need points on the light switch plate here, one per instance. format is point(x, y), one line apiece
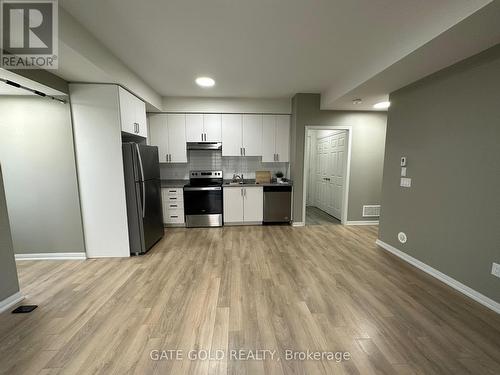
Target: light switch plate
point(405, 182)
point(403, 171)
point(495, 269)
point(403, 161)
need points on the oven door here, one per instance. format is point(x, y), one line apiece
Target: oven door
point(200, 200)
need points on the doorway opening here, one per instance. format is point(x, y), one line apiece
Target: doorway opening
point(326, 175)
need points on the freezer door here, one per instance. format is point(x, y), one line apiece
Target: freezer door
point(152, 212)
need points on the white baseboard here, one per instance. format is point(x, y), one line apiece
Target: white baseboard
point(51, 256)
point(457, 285)
point(362, 222)
point(298, 224)
point(8, 302)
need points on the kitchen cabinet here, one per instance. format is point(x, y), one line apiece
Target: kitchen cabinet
point(168, 133)
point(243, 204)
point(252, 135)
point(276, 138)
point(173, 206)
point(132, 113)
point(241, 135)
point(231, 135)
point(203, 127)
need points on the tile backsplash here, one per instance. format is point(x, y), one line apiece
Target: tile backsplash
point(213, 160)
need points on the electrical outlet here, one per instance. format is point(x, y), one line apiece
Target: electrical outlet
point(495, 269)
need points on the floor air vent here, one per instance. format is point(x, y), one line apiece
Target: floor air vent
point(371, 210)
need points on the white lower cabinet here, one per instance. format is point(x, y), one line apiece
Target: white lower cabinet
point(173, 205)
point(243, 204)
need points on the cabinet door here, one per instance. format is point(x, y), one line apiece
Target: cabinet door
point(283, 138)
point(127, 110)
point(252, 135)
point(253, 207)
point(212, 124)
point(177, 138)
point(233, 204)
point(268, 138)
point(194, 127)
point(231, 135)
point(140, 116)
point(159, 135)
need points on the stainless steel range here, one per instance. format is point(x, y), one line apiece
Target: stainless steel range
point(203, 199)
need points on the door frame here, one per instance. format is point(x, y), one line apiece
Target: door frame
point(345, 193)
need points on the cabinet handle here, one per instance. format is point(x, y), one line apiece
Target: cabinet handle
point(202, 137)
point(166, 157)
point(277, 157)
point(170, 158)
point(244, 151)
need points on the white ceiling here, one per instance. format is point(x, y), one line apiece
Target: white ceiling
point(263, 48)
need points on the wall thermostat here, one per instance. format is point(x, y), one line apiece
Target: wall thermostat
point(403, 161)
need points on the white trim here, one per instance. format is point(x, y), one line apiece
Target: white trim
point(362, 222)
point(8, 302)
point(469, 292)
point(298, 224)
point(51, 256)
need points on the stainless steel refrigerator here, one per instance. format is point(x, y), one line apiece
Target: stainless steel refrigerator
point(143, 194)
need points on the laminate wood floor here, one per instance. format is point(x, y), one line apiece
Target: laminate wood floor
point(318, 288)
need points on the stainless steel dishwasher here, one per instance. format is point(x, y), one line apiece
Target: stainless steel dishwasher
point(277, 204)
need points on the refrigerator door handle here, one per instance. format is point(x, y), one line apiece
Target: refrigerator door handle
point(143, 184)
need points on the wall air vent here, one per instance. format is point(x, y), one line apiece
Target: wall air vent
point(371, 210)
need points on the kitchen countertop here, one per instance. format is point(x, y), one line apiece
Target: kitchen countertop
point(251, 182)
point(246, 182)
point(173, 183)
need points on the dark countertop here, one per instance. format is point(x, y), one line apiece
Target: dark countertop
point(173, 183)
point(251, 182)
point(246, 182)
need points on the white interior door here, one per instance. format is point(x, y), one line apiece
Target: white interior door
point(335, 175)
point(321, 155)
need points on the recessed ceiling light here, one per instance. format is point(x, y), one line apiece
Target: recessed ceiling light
point(205, 81)
point(357, 101)
point(382, 105)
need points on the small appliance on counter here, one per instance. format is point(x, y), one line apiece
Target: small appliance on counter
point(143, 196)
point(203, 199)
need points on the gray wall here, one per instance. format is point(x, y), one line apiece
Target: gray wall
point(8, 272)
point(448, 125)
point(36, 152)
point(367, 154)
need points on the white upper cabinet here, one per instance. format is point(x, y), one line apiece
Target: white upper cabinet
point(212, 126)
point(132, 113)
point(203, 127)
point(276, 138)
point(194, 127)
point(231, 135)
point(252, 135)
point(241, 135)
point(177, 138)
point(168, 133)
point(283, 138)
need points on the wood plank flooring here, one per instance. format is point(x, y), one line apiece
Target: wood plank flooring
point(317, 288)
